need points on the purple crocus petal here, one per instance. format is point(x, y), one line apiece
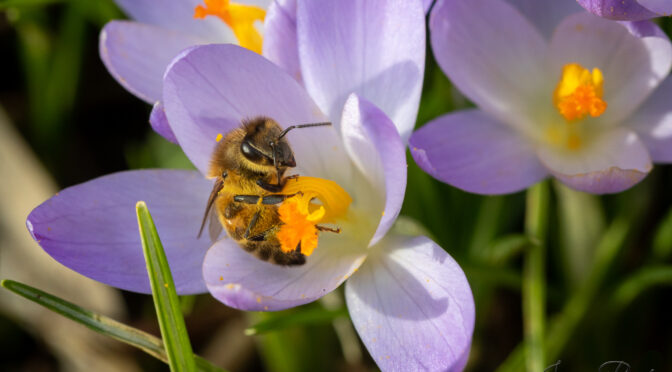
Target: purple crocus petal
point(159, 122)
point(653, 123)
point(470, 150)
point(243, 281)
point(92, 227)
point(412, 307)
point(374, 145)
point(209, 89)
point(280, 37)
point(622, 10)
point(178, 15)
point(494, 56)
point(374, 48)
point(612, 162)
point(137, 54)
point(426, 5)
point(662, 7)
point(546, 15)
point(632, 66)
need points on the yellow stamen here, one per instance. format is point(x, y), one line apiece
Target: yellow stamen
point(300, 214)
point(239, 17)
point(579, 93)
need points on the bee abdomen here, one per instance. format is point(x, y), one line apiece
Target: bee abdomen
point(269, 251)
point(289, 259)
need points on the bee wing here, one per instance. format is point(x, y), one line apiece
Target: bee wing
point(219, 184)
point(214, 226)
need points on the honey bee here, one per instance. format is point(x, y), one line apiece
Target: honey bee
point(249, 166)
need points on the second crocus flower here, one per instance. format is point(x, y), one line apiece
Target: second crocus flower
point(587, 103)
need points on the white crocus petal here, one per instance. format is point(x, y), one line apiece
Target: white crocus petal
point(546, 15)
point(375, 147)
point(632, 66)
point(495, 56)
point(375, 48)
point(412, 306)
point(243, 281)
point(610, 161)
point(653, 123)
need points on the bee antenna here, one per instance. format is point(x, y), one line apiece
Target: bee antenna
point(282, 134)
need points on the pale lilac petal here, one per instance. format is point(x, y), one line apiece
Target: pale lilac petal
point(159, 122)
point(373, 48)
point(178, 15)
point(623, 10)
point(653, 123)
point(662, 7)
point(374, 145)
point(474, 152)
point(546, 15)
point(137, 55)
point(613, 161)
point(412, 307)
point(632, 66)
point(243, 281)
point(644, 29)
point(494, 55)
point(280, 37)
point(209, 89)
point(92, 227)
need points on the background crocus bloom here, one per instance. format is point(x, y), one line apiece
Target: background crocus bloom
point(587, 103)
point(628, 10)
point(137, 52)
point(361, 65)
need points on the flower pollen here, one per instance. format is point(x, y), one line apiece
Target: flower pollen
point(239, 17)
point(579, 93)
point(301, 214)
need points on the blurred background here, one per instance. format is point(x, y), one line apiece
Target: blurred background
point(64, 120)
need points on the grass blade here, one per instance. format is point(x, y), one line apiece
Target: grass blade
point(99, 323)
point(168, 309)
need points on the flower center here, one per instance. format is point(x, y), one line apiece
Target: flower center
point(577, 95)
point(300, 214)
point(239, 17)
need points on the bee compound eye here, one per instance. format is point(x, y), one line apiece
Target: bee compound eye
point(249, 152)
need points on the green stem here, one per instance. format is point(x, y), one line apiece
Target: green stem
point(534, 276)
point(562, 326)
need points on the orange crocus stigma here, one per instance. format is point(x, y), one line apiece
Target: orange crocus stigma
point(315, 201)
point(579, 93)
point(239, 17)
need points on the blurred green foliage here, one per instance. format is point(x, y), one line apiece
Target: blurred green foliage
point(608, 260)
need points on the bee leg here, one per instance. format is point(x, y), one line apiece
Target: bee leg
point(253, 222)
point(267, 200)
point(270, 187)
point(262, 235)
point(329, 229)
point(278, 198)
point(248, 199)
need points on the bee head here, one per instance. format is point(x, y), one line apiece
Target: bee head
point(263, 144)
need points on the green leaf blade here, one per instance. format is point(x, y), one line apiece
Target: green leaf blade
point(101, 324)
point(168, 309)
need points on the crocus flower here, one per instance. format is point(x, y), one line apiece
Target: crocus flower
point(361, 66)
point(585, 100)
point(628, 10)
point(137, 52)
